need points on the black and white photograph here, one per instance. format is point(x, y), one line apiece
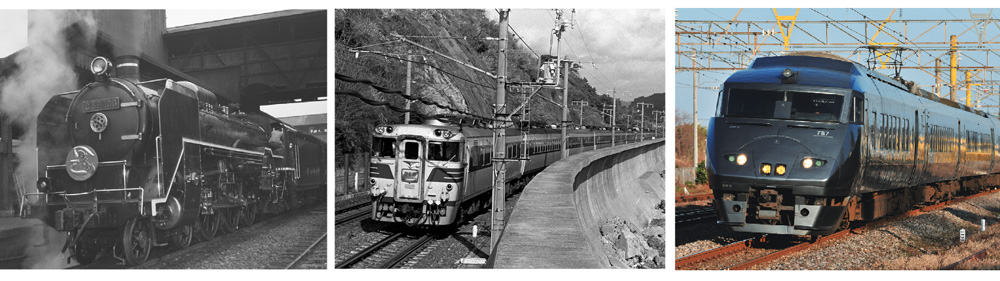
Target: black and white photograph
point(499, 138)
point(163, 139)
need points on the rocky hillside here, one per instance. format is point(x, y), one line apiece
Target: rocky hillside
point(434, 77)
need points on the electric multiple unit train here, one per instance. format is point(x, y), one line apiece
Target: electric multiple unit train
point(806, 144)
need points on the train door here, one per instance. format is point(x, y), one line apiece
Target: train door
point(993, 158)
point(410, 188)
point(915, 163)
point(957, 144)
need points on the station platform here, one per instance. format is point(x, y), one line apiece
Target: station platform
point(556, 221)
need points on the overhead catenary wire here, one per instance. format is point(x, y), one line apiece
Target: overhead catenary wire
point(400, 93)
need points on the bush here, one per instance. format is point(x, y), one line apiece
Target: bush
point(700, 174)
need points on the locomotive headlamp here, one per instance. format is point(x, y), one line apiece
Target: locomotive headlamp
point(43, 185)
point(807, 163)
point(780, 170)
point(741, 159)
point(99, 66)
point(388, 129)
point(448, 187)
point(765, 168)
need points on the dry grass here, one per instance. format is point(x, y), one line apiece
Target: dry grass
point(944, 257)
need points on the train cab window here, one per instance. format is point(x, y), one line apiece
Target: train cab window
point(384, 147)
point(443, 151)
point(857, 109)
point(784, 105)
point(411, 150)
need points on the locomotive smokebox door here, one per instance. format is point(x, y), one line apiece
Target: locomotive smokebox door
point(110, 118)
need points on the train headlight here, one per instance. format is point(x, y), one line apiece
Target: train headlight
point(765, 168)
point(383, 130)
point(780, 170)
point(444, 133)
point(807, 163)
point(99, 66)
point(43, 185)
point(741, 159)
point(448, 187)
point(787, 73)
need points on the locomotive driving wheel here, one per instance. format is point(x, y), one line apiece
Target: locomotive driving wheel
point(86, 249)
point(230, 219)
point(206, 227)
point(249, 214)
point(137, 240)
point(181, 237)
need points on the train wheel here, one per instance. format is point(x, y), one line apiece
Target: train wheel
point(233, 218)
point(205, 227)
point(86, 250)
point(222, 219)
point(249, 214)
point(181, 237)
point(137, 241)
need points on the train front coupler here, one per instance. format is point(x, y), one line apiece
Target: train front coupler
point(776, 211)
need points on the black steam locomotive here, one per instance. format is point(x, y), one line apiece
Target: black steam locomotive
point(807, 144)
point(126, 165)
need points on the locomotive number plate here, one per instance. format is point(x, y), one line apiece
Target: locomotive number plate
point(101, 104)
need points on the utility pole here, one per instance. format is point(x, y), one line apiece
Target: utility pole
point(954, 65)
point(614, 106)
point(656, 120)
point(565, 108)
point(642, 119)
point(561, 26)
point(610, 112)
point(409, 77)
point(694, 108)
point(499, 140)
point(581, 103)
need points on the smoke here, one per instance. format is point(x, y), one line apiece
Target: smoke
point(44, 68)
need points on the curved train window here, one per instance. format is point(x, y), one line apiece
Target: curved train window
point(784, 105)
point(443, 151)
point(384, 147)
point(411, 150)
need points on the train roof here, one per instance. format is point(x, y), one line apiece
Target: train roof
point(828, 70)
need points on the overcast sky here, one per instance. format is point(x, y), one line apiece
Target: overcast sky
point(626, 47)
point(14, 28)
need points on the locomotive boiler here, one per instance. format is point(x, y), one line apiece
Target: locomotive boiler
point(125, 165)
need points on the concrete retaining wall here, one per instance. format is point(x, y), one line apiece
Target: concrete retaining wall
point(556, 221)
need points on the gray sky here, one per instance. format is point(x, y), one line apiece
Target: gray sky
point(625, 46)
point(14, 28)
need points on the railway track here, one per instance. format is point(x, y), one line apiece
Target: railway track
point(352, 213)
point(313, 257)
point(747, 254)
point(387, 252)
point(698, 214)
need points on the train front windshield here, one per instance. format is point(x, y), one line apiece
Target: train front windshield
point(792, 105)
point(443, 151)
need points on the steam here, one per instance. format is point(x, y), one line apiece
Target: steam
point(45, 68)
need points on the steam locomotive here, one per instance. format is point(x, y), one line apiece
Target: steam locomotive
point(126, 165)
point(807, 144)
point(432, 174)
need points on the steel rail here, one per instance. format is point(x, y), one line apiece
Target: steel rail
point(392, 262)
point(369, 250)
point(312, 247)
